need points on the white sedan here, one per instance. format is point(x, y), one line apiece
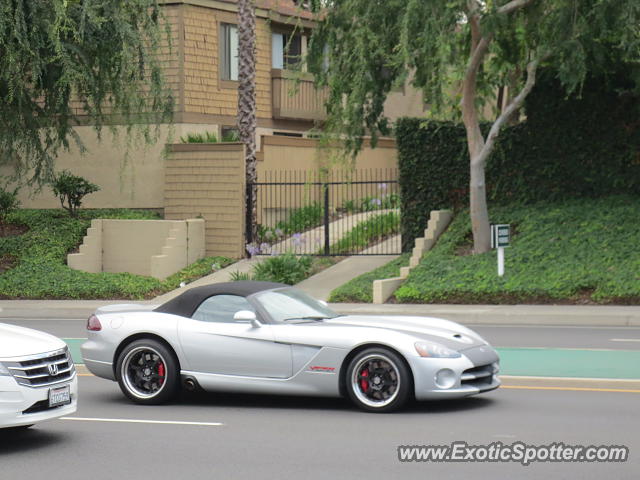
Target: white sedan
point(37, 377)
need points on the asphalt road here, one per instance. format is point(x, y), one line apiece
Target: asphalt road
point(276, 437)
point(614, 338)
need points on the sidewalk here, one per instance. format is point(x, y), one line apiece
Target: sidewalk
point(617, 316)
point(320, 286)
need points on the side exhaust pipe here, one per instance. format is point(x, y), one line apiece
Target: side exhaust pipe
point(190, 385)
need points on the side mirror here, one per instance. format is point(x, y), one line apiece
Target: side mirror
point(247, 316)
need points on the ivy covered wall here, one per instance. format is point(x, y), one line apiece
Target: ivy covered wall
point(586, 145)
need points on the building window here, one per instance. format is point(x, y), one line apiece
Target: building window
point(229, 51)
point(286, 51)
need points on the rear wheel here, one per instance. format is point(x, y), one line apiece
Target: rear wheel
point(147, 372)
point(378, 380)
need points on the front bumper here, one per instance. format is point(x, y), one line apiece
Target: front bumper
point(476, 371)
point(16, 399)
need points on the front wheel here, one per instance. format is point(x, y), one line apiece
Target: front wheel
point(378, 380)
point(147, 372)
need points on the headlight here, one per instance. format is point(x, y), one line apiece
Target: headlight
point(434, 350)
point(3, 370)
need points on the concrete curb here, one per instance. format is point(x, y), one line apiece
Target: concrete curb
point(567, 315)
point(620, 316)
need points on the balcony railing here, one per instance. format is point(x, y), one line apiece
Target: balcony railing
point(296, 100)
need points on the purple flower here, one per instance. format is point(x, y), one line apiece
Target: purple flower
point(297, 239)
point(376, 201)
point(279, 232)
point(264, 247)
point(382, 186)
point(252, 249)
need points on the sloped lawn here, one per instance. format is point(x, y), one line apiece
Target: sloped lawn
point(39, 267)
point(581, 251)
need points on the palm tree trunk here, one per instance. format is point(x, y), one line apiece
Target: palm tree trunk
point(247, 105)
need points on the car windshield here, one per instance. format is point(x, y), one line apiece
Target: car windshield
point(290, 304)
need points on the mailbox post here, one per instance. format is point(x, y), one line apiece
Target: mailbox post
point(500, 239)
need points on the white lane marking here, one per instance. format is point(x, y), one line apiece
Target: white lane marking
point(153, 422)
point(624, 339)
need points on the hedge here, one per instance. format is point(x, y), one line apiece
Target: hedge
point(576, 147)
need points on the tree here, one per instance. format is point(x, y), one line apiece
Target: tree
point(70, 62)
point(460, 52)
point(247, 103)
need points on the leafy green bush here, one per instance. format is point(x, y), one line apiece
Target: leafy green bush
point(71, 189)
point(286, 268)
point(210, 137)
point(8, 203)
point(360, 289)
point(41, 271)
point(240, 276)
point(577, 251)
point(203, 137)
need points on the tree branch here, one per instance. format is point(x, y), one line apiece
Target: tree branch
point(469, 87)
point(513, 106)
point(513, 6)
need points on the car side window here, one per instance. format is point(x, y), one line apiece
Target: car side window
point(221, 308)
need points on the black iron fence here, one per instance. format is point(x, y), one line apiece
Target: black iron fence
point(342, 213)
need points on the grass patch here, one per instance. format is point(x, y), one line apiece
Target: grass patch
point(40, 271)
point(574, 252)
point(367, 233)
point(360, 289)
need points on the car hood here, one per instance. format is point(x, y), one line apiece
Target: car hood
point(19, 342)
point(444, 332)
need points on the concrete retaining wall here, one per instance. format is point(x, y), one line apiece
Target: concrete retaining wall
point(438, 222)
point(155, 248)
point(208, 180)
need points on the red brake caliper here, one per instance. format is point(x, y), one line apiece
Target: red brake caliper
point(161, 373)
point(364, 384)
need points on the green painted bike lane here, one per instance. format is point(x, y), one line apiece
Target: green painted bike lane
point(538, 362)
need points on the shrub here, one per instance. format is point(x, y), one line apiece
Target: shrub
point(71, 189)
point(285, 268)
point(203, 137)
point(9, 203)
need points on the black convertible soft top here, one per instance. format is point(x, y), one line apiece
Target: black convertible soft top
point(187, 303)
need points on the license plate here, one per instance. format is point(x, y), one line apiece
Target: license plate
point(59, 396)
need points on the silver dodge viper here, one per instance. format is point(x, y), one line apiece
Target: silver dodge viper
point(261, 337)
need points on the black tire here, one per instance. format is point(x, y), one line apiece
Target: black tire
point(148, 372)
point(378, 380)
